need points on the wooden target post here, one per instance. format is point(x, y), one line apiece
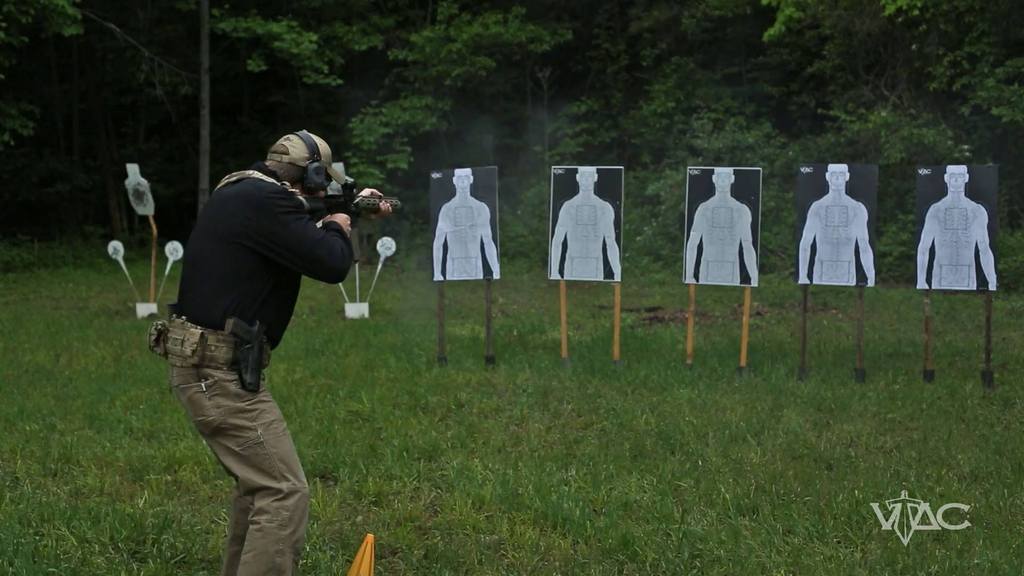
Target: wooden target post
point(563, 305)
point(691, 313)
point(928, 373)
point(859, 373)
point(987, 374)
point(744, 331)
point(805, 291)
point(489, 359)
point(442, 345)
point(744, 327)
point(617, 325)
point(987, 377)
point(564, 316)
point(442, 351)
point(152, 261)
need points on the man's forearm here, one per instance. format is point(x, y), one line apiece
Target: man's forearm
point(332, 259)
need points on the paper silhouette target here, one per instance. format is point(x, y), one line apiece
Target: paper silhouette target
point(464, 218)
point(836, 208)
point(586, 223)
point(138, 191)
point(723, 225)
point(957, 224)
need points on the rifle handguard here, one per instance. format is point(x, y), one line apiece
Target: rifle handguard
point(354, 207)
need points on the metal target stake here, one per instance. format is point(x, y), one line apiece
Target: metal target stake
point(115, 249)
point(173, 250)
point(386, 247)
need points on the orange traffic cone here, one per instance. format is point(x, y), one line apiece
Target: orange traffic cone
point(363, 564)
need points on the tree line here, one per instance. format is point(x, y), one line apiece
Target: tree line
point(401, 87)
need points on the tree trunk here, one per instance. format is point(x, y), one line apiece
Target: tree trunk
point(109, 184)
point(100, 114)
point(76, 137)
point(204, 104)
point(58, 101)
point(116, 162)
point(544, 75)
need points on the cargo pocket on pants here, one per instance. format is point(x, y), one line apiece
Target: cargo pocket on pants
point(261, 458)
point(198, 402)
point(272, 456)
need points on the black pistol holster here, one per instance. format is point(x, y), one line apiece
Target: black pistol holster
point(249, 352)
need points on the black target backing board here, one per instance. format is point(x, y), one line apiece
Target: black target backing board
point(460, 239)
point(588, 225)
point(954, 258)
point(720, 226)
point(835, 257)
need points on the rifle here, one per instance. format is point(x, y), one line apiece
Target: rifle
point(343, 198)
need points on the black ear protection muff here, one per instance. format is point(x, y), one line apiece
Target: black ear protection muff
point(315, 179)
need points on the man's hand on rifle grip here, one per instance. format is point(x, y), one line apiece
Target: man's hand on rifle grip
point(342, 220)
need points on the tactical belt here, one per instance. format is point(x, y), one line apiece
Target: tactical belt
point(185, 344)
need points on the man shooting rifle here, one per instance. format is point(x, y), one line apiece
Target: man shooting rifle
point(341, 198)
point(245, 259)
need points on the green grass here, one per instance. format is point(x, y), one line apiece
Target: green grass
point(527, 468)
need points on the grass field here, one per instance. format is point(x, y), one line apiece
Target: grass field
point(527, 468)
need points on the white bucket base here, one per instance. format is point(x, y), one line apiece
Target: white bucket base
point(354, 310)
point(144, 309)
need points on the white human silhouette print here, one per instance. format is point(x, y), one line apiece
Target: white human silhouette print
point(723, 225)
point(838, 225)
point(464, 223)
point(586, 223)
point(956, 226)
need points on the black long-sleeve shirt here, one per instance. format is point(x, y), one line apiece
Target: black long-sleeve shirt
point(247, 253)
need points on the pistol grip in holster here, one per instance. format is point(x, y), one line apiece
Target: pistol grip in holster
point(249, 344)
point(250, 369)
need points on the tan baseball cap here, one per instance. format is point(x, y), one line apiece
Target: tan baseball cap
point(290, 149)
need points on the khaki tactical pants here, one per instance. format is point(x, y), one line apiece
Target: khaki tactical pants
point(247, 433)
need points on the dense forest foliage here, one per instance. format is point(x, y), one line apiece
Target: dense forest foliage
point(400, 87)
